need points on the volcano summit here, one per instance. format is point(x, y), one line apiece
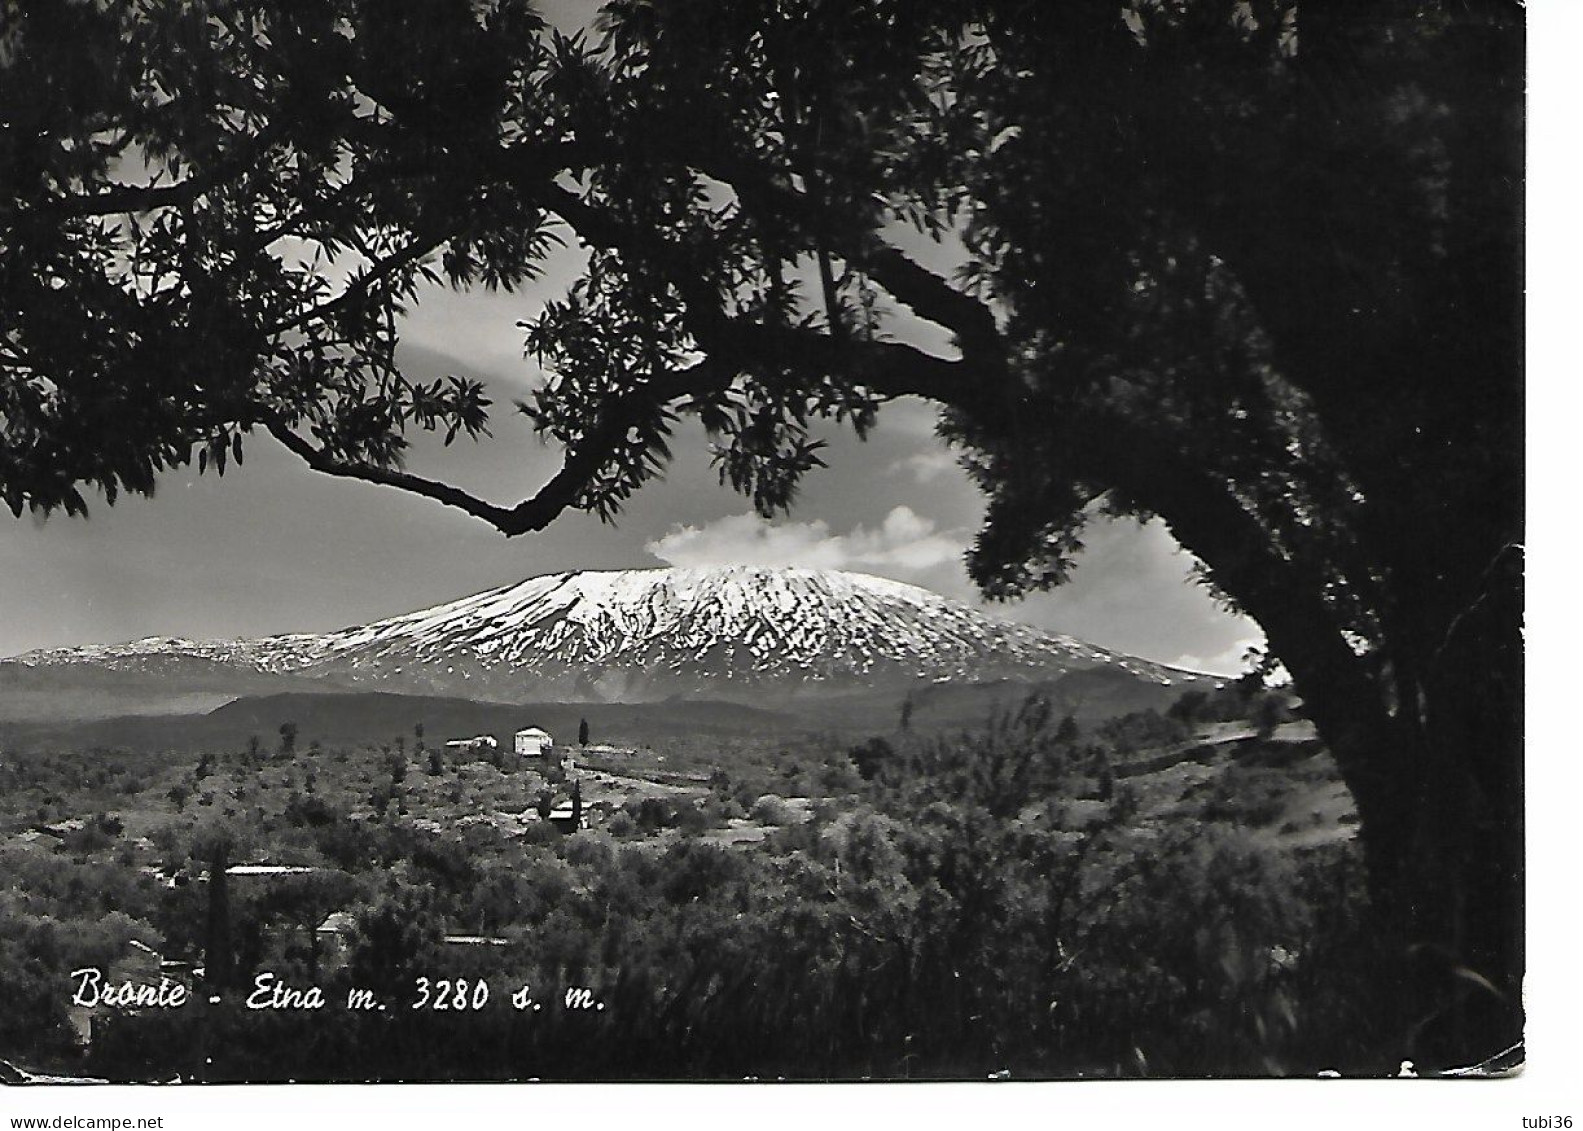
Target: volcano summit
point(740, 633)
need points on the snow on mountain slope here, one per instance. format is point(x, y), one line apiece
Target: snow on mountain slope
point(734, 632)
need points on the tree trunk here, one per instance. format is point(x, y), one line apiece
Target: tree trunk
point(1439, 798)
point(1436, 775)
point(1467, 852)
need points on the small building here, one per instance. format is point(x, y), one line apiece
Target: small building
point(479, 746)
point(337, 924)
point(144, 958)
point(332, 935)
point(60, 830)
point(570, 816)
point(142, 969)
point(533, 742)
point(567, 818)
point(166, 875)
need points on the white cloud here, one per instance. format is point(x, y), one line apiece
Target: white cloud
point(1229, 661)
point(904, 542)
point(925, 467)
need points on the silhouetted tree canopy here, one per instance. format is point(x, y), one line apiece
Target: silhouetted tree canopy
point(1248, 268)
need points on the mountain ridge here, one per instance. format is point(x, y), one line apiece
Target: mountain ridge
point(751, 634)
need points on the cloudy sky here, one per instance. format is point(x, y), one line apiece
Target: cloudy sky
point(272, 547)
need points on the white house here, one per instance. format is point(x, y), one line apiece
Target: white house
point(533, 742)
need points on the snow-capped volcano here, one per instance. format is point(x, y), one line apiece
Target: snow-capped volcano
point(748, 633)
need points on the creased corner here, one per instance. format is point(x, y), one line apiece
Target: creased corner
point(1507, 1062)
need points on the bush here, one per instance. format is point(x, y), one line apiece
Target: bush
point(871, 757)
point(541, 833)
point(1190, 707)
point(772, 809)
point(1247, 795)
point(649, 813)
point(691, 819)
point(1268, 713)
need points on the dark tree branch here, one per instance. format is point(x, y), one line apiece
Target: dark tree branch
point(359, 288)
point(887, 368)
point(561, 491)
point(922, 291)
point(892, 369)
point(121, 199)
point(328, 464)
point(933, 299)
point(117, 199)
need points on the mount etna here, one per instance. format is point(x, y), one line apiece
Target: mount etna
point(813, 647)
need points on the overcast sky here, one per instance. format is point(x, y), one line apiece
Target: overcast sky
point(272, 547)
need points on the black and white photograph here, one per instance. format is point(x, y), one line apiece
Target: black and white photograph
point(762, 540)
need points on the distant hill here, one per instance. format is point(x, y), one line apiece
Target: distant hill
point(1088, 695)
point(171, 685)
point(355, 718)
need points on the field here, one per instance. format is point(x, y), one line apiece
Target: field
point(1031, 896)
